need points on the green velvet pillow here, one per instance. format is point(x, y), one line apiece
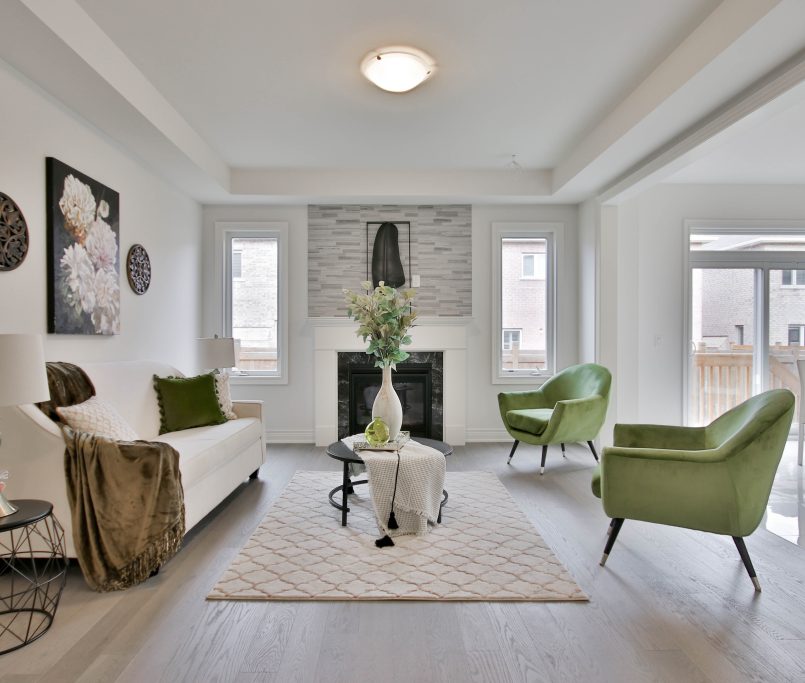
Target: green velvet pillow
point(186, 402)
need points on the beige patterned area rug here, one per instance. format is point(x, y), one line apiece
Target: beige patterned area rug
point(485, 549)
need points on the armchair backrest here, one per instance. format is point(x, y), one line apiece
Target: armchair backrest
point(578, 381)
point(752, 436)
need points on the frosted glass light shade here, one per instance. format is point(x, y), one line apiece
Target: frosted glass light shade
point(23, 377)
point(397, 69)
point(216, 352)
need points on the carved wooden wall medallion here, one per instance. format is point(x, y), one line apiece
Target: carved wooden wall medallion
point(13, 234)
point(138, 269)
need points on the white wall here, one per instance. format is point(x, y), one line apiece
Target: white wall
point(289, 409)
point(650, 262)
point(161, 324)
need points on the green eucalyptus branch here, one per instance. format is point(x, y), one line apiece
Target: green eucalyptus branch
point(384, 316)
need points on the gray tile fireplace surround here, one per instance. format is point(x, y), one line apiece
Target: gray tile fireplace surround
point(360, 359)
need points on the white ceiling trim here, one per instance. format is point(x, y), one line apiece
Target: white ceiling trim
point(725, 25)
point(72, 25)
point(766, 97)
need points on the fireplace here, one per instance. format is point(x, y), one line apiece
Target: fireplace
point(418, 383)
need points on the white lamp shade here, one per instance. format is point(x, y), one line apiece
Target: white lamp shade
point(216, 352)
point(23, 377)
point(397, 69)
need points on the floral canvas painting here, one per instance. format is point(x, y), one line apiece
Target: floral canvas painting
point(83, 253)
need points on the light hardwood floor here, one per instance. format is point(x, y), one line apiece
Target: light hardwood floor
point(671, 605)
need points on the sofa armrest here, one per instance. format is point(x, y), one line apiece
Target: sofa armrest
point(576, 419)
point(691, 489)
point(668, 437)
point(248, 409)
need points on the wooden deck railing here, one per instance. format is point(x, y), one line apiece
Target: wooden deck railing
point(723, 379)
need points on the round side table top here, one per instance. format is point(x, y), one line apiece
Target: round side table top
point(28, 512)
point(340, 451)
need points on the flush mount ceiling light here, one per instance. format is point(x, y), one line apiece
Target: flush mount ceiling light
point(398, 68)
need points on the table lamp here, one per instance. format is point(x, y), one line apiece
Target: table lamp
point(23, 379)
point(216, 352)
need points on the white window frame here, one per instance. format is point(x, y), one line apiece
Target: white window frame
point(552, 233)
point(224, 233)
point(511, 329)
point(762, 261)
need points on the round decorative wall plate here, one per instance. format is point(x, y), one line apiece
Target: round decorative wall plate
point(138, 269)
point(13, 234)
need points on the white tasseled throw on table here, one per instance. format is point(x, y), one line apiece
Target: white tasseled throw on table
point(419, 486)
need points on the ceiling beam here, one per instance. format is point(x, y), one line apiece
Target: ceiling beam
point(715, 35)
point(68, 21)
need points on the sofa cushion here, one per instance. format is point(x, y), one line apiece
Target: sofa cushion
point(531, 420)
point(204, 449)
point(96, 416)
point(186, 402)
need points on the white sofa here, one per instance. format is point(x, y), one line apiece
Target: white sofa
point(213, 460)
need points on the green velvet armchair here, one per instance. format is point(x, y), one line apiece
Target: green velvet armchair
point(569, 407)
point(715, 478)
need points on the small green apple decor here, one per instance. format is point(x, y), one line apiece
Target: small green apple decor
point(377, 432)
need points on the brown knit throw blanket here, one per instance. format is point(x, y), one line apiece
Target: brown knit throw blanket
point(68, 385)
point(126, 498)
point(127, 506)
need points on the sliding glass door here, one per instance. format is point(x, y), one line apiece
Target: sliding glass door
point(723, 333)
point(746, 323)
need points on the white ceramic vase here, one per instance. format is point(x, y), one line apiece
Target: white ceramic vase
point(387, 405)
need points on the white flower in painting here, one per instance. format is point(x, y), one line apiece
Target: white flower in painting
point(103, 208)
point(101, 245)
point(79, 275)
point(106, 316)
point(78, 207)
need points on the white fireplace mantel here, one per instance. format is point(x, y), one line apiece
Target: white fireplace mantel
point(330, 337)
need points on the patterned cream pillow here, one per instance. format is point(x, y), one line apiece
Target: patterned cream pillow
point(97, 417)
point(224, 395)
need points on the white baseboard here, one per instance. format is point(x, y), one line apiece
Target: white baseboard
point(289, 436)
point(486, 435)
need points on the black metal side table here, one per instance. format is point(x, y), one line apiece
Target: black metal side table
point(33, 571)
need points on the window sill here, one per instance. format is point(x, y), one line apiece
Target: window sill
point(531, 380)
point(257, 380)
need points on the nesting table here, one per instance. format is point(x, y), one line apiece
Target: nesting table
point(338, 450)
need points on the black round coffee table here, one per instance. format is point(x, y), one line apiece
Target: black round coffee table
point(33, 571)
point(340, 451)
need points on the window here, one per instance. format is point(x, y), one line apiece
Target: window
point(533, 267)
point(524, 295)
point(793, 278)
point(510, 339)
point(796, 335)
point(237, 265)
point(253, 291)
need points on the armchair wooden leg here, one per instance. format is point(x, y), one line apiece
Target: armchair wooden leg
point(511, 454)
point(544, 455)
point(744, 553)
point(609, 528)
point(615, 527)
point(592, 448)
point(563, 450)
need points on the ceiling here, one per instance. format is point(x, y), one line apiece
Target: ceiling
point(263, 101)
